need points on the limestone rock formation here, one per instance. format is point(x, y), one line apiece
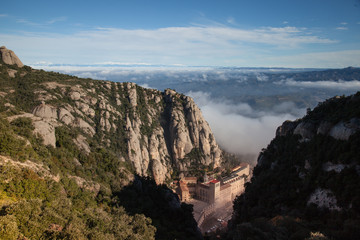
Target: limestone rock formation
point(169, 145)
point(164, 131)
point(286, 128)
point(45, 127)
point(9, 57)
point(81, 142)
point(47, 131)
point(99, 135)
point(45, 111)
point(65, 116)
point(88, 185)
point(158, 133)
point(11, 73)
point(189, 130)
point(307, 130)
point(343, 130)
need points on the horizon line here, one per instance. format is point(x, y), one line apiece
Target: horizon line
point(180, 66)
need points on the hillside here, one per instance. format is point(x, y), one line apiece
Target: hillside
point(155, 131)
point(75, 154)
point(306, 180)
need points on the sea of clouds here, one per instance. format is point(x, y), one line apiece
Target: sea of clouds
point(240, 129)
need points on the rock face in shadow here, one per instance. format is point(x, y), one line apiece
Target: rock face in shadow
point(160, 204)
point(340, 129)
point(306, 180)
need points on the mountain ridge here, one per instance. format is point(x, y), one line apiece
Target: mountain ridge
point(305, 181)
point(142, 116)
point(77, 151)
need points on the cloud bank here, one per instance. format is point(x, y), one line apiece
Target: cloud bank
point(192, 45)
point(342, 85)
point(330, 59)
point(238, 128)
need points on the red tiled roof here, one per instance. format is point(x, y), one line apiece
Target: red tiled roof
point(214, 181)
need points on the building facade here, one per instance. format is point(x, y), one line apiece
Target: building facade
point(213, 191)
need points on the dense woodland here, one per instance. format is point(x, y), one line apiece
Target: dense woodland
point(274, 205)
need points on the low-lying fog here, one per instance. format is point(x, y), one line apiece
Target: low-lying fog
point(239, 128)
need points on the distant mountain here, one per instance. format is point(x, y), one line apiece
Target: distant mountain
point(345, 74)
point(306, 181)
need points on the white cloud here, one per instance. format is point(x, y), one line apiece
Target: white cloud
point(342, 28)
point(334, 59)
point(145, 85)
point(282, 30)
point(124, 63)
point(41, 24)
point(344, 85)
point(231, 20)
point(58, 19)
point(27, 22)
point(240, 129)
point(262, 77)
point(208, 45)
point(42, 63)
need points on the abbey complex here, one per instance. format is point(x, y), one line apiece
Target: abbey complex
point(212, 193)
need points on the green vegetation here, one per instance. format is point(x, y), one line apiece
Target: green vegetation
point(41, 208)
point(12, 142)
point(66, 192)
point(290, 170)
point(37, 207)
point(336, 109)
point(197, 168)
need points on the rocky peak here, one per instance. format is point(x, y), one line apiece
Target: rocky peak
point(286, 128)
point(158, 133)
point(337, 117)
point(9, 57)
point(341, 130)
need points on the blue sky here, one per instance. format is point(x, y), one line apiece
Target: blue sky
point(257, 33)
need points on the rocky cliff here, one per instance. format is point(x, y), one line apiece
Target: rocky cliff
point(159, 129)
point(83, 159)
point(159, 133)
point(306, 181)
point(9, 57)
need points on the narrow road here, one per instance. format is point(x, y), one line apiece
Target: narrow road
point(217, 220)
